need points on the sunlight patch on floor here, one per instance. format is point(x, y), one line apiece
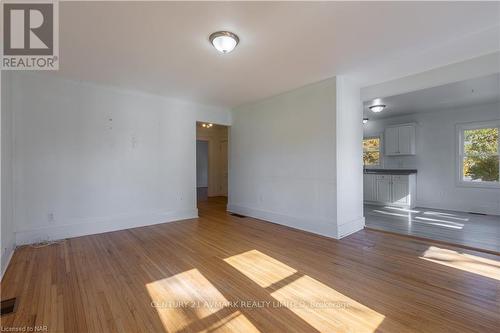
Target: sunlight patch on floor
point(231, 323)
point(189, 302)
point(402, 209)
point(447, 215)
point(443, 223)
point(392, 214)
point(463, 261)
point(322, 307)
point(424, 220)
point(323, 303)
point(260, 268)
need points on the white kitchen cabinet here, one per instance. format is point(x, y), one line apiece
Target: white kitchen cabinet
point(400, 140)
point(369, 187)
point(400, 188)
point(396, 190)
point(391, 141)
point(383, 188)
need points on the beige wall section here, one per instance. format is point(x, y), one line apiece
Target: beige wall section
point(217, 137)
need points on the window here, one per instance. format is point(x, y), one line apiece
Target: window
point(371, 151)
point(479, 154)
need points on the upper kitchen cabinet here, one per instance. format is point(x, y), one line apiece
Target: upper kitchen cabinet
point(400, 140)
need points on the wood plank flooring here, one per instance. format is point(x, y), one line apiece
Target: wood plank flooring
point(221, 273)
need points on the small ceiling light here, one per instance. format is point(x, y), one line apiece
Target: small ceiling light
point(207, 125)
point(365, 120)
point(224, 41)
point(377, 108)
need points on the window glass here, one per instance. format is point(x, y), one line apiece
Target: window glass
point(371, 151)
point(480, 155)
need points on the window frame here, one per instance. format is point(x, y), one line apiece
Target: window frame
point(460, 130)
point(380, 165)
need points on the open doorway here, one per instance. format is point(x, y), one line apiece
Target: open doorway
point(431, 161)
point(211, 162)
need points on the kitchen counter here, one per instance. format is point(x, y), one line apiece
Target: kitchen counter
point(391, 171)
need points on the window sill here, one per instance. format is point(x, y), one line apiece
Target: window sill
point(491, 185)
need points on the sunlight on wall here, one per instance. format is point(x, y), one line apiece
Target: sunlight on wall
point(320, 306)
point(463, 261)
point(189, 302)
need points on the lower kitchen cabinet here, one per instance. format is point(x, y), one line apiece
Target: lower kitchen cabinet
point(396, 190)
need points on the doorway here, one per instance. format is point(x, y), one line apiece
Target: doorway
point(212, 143)
point(201, 170)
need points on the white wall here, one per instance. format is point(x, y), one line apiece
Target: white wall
point(91, 158)
point(435, 159)
point(284, 156)
point(282, 159)
point(7, 224)
point(349, 152)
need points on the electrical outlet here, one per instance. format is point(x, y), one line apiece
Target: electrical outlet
point(50, 217)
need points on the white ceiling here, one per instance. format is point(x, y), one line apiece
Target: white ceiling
point(163, 48)
point(470, 92)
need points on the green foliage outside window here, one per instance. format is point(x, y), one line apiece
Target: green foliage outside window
point(371, 151)
point(481, 161)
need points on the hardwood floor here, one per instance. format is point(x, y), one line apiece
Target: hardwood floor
point(221, 273)
point(470, 230)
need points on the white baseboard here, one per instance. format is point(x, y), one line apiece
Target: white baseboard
point(6, 261)
point(323, 227)
point(97, 226)
point(350, 227)
point(466, 208)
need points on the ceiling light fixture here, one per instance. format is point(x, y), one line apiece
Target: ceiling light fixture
point(207, 125)
point(365, 120)
point(224, 41)
point(377, 108)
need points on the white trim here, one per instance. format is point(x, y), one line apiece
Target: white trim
point(464, 207)
point(7, 262)
point(459, 154)
point(323, 227)
point(102, 225)
point(402, 124)
point(351, 227)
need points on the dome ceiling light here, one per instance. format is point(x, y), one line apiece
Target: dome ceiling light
point(224, 41)
point(377, 108)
